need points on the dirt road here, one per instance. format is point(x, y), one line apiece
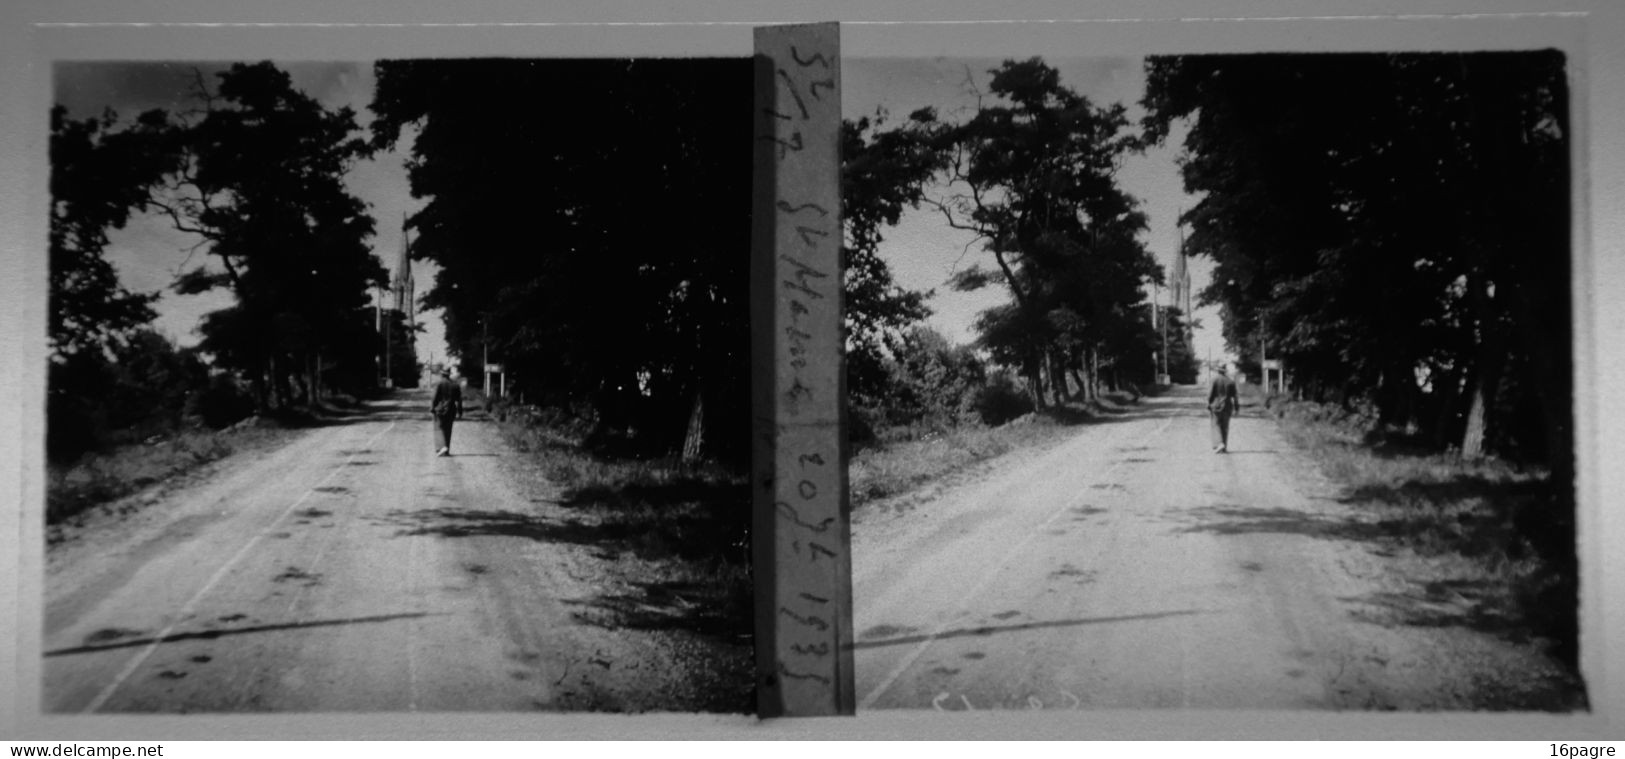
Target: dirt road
point(1131, 567)
point(349, 570)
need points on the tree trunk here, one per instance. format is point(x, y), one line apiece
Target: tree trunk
point(1057, 374)
point(1448, 386)
point(1035, 382)
point(694, 440)
point(1086, 377)
point(262, 390)
point(273, 374)
point(1487, 373)
point(1093, 357)
point(1472, 440)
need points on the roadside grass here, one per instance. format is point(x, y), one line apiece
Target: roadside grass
point(906, 459)
point(1486, 544)
point(100, 479)
point(676, 538)
point(677, 535)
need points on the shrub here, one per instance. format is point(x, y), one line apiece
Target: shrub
point(221, 404)
point(1000, 401)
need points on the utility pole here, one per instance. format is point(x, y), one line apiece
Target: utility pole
point(1165, 345)
point(1159, 363)
point(378, 324)
point(1185, 283)
point(404, 281)
point(1263, 360)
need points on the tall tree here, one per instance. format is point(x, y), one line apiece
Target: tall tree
point(1032, 174)
point(101, 173)
point(882, 172)
point(595, 240)
point(1396, 226)
point(261, 182)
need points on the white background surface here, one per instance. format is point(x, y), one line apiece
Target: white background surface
point(1591, 31)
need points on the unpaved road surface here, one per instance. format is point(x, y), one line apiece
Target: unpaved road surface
point(1132, 567)
point(351, 570)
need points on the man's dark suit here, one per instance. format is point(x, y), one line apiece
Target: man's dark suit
point(446, 407)
point(1222, 401)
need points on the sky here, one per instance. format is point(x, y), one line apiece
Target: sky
point(923, 251)
point(149, 252)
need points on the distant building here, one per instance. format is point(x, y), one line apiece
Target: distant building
point(403, 286)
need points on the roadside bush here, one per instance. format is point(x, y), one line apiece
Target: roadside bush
point(135, 389)
point(1000, 401)
point(924, 386)
point(221, 404)
point(70, 429)
point(860, 425)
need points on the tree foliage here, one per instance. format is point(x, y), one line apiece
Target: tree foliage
point(924, 383)
point(1032, 174)
point(139, 386)
point(101, 172)
point(1395, 226)
point(260, 180)
point(882, 172)
point(592, 235)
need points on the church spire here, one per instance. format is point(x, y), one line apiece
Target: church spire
point(404, 286)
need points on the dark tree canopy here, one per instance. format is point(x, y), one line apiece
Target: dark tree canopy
point(261, 181)
point(101, 173)
point(1395, 226)
point(882, 172)
point(591, 222)
point(1032, 172)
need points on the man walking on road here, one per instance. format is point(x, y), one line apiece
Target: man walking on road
point(446, 407)
point(1221, 403)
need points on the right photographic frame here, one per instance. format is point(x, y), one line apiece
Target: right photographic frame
point(1217, 375)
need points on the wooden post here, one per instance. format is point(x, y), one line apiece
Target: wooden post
point(1263, 362)
point(801, 534)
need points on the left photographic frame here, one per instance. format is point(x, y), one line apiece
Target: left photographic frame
point(248, 501)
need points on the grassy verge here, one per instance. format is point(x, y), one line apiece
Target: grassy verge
point(103, 478)
point(677, 538)
point(100, 479)
point(915, 458)
point(1488, 544)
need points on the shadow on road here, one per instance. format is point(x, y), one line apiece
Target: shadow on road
point(1459, 488)
point(1509, 607)
point(117, 642)
point(666, 605)
point(1242, 520)
point(686, 529)
point(984, 630)
point(1446, 603)
point(401, 405)
point(453, 522)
